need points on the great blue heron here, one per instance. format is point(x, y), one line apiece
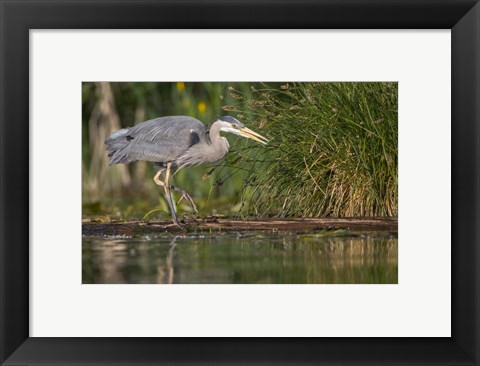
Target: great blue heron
point(175, 142)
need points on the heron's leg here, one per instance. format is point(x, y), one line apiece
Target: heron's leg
point(176, 189)
point(168, 193)
point(156, 179)
point(187, 197)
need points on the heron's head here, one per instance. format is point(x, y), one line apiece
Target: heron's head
point(232, 125)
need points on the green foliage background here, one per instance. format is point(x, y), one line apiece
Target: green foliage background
point(332, 150)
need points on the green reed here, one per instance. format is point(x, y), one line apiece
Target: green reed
point(333, 149)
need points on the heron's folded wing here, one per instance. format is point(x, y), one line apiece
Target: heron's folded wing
point(163, 139)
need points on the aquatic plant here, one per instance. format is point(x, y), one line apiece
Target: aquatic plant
point(333, 150)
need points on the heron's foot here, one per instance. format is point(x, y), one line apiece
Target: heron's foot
point(175, 220)
point(178, 224)
point(187, 196)
point(182, 225)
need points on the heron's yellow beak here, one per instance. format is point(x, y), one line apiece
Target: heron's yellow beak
point(249, 134)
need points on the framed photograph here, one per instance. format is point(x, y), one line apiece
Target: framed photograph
point(229, 182)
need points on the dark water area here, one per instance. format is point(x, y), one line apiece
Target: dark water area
point(241, 258)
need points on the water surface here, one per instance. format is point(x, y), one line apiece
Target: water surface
point(241, 258)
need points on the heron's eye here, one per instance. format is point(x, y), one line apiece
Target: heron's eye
point(234, 125)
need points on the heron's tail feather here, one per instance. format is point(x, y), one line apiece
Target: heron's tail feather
point(117, 146)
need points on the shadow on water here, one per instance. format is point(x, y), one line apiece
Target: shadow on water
point(241, 259)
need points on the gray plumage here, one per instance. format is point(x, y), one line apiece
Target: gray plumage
point(182, 140)
point(175, 142)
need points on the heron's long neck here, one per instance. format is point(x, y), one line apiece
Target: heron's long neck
point(218, 144)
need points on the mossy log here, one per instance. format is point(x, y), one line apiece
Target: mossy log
point(133, 228)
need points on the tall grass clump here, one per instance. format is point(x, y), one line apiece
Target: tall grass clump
point(333, 150)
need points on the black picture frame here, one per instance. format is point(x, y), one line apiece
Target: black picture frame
point(17, 17)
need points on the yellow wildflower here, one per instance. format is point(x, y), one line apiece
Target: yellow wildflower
point(180, 86)
point(202, 107)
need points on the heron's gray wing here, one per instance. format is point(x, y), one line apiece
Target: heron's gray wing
point(161, 140)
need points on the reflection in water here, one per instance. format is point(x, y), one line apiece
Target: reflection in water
point(168, 265)
point(248, 258)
